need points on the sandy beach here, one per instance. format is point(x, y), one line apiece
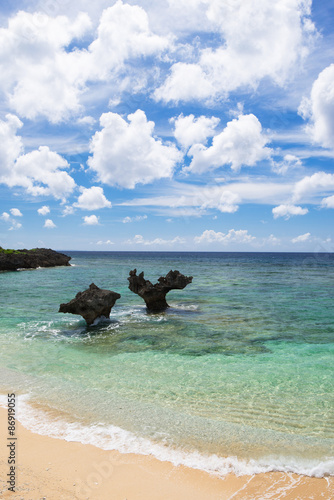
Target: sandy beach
point(54, 469)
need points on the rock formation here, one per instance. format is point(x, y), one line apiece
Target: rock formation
point(11, 260)
point(155, 295)
point(91, 304)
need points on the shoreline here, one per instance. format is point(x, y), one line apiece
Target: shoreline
point(56, 469)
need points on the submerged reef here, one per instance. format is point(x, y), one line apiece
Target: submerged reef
point(155, 295)
point(91, 304)
point(12, 260)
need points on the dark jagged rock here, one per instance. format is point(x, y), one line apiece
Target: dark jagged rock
point(155, 295)
point(91, 304)
point(11, 260)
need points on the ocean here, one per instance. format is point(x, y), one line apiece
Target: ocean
point(236, 376)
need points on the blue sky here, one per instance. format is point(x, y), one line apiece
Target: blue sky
point(202, 125)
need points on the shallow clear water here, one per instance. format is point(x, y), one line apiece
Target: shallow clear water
point(240, 365)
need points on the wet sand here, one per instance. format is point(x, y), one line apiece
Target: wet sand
point(54, 469)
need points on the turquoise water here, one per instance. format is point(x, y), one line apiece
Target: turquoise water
point(240, 368)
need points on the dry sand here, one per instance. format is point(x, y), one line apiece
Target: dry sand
point(54, 469)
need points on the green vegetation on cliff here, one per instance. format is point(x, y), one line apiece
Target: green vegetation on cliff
point(10, 251)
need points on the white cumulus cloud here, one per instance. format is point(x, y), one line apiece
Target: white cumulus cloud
point(235, 236)
point(39, 172)
point(5, 216)
point(92, 199)
point(186, 82)
point(328, 202)
point(123, 34)
point(15, 212)
point(11, 145)
point(258, 39)
point(320, 108)
point(90, 220)
point(49, 224)
point(287, 210)
point(42, 75)
point(240, 143)
point(190, 130)
point(313, 184)
point(44, 210)
point(138, 239)
point(126, 153)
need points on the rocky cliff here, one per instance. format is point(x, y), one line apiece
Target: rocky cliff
point(91, 304)
point(11, 260)
point(155, 295)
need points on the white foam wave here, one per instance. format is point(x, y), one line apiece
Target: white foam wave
point(110, 437)
point(100, 319)
point(185, 307)
point(138, 314)
point(38, 267)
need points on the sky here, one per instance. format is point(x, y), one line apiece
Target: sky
point(167, 125)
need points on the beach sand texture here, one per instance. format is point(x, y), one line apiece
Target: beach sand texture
point(54, 469)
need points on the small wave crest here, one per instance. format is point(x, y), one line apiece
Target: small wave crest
point(101, 319)
point(184, 307)
point(110, 437)
point(27, 268)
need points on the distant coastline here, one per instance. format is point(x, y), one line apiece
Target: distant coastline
point(197, 252)
point(12, 260)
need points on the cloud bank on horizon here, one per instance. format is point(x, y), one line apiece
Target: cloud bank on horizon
point(177, 125)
